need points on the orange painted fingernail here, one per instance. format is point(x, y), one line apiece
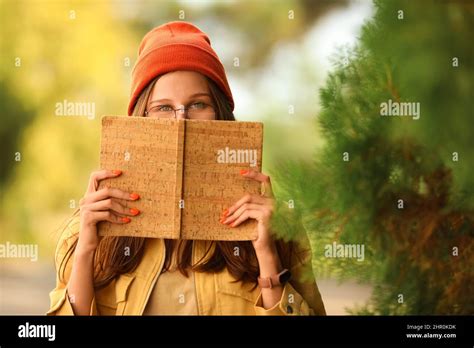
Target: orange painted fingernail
point(126, 219)
point(134, 211)
point(117, 172)
point(226, 212)
point(243, 171)
point(134, 196)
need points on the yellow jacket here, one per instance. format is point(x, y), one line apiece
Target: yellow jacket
point(216, 293)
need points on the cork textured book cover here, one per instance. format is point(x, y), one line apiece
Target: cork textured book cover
point(185, 171)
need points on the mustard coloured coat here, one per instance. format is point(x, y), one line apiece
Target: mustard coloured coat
point(216, 293)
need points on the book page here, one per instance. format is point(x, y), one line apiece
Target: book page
point(146, 150)
point(215, 152)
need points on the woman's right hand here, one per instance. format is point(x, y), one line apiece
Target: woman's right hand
point(102, 205)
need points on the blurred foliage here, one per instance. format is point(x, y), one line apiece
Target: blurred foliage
point(61, 56)
point(408, 251)
point(83, 51)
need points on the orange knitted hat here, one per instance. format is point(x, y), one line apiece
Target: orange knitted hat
point(176, 46)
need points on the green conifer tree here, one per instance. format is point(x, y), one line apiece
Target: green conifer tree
point(402, 186)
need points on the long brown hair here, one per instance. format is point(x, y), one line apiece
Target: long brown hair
point(110, 260)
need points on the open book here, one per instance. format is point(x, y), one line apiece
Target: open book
point(187, 172)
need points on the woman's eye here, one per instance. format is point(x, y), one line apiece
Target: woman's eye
point(164, 108)
point(198, 105)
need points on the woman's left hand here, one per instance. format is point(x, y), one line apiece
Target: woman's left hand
point(254, 206)
point(259, 207)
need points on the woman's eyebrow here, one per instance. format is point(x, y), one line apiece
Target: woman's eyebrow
point(200, 94)
point(166, 100)
point(160, 101)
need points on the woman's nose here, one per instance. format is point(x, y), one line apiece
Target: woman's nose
point(181, 112)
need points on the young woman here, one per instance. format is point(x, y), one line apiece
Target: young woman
point(178, 74)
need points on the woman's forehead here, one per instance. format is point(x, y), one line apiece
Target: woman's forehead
point(179, 84)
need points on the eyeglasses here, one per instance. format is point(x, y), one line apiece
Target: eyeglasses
point(198, 110)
